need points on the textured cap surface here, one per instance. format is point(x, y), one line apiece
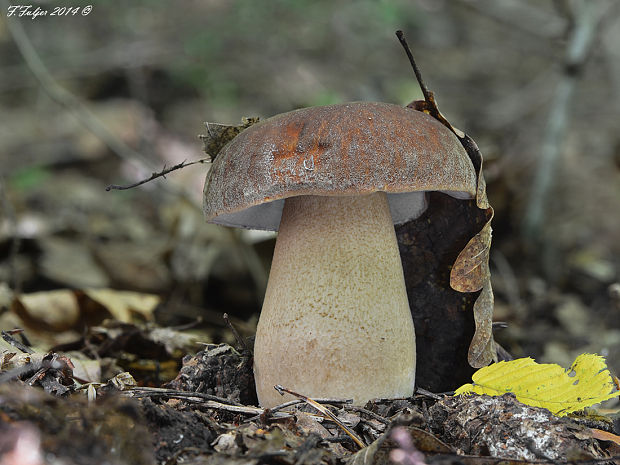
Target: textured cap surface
point(345, 149)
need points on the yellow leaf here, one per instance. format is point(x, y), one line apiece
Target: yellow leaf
point(550, 386)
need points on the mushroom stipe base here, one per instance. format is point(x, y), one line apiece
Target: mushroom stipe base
point(335, 320)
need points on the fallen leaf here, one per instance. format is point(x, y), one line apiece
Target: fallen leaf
point(605, 436)
point(482, 347)
point(471, 273)
point(471, 269)
point(550, 386)
point(48, 310)
point(125, 305)
point(85, 369)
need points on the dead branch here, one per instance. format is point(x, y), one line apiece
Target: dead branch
point(160, 174)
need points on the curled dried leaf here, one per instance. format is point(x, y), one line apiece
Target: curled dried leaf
point(482, 347)
point(476, 158)
point(471, 273)
point(471, 269)
point(218, 135)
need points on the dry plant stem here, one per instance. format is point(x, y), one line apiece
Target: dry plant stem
point(336, 319)
point(160, 174)
point(236, 334)
point(15, 343)
point(428, 95)
point(290, 403)
point(367, 412)
point(588, 16)
point(162, 392)
point(206, 400)
point(281, 390)
point(424, 392)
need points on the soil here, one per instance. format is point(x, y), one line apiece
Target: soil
point(207, 414)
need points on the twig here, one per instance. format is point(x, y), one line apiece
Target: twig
point(15, 343)
point(238, 337)
point(290, 403)
point(207, 400)
point(428, 95)
point(161, 174)
point(324, 411)
point(424, 392)
point(429, 105)
point(162, 392)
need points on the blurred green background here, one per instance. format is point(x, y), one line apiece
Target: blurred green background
point(124, 91)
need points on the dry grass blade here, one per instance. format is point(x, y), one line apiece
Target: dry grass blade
point(324, 411)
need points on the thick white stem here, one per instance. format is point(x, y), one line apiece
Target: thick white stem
point(335, 321)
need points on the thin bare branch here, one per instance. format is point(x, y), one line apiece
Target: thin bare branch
point(238, 337)
point(160, 174)
point(428, 95)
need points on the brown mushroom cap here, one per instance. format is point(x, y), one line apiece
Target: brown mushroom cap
point(344, 149)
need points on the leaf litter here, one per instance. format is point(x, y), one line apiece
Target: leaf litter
point(207, 412)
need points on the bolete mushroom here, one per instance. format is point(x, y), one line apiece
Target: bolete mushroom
point(334, 180)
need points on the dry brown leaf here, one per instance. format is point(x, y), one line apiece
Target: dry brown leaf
point(125, 305)
point(48, 310)
point(482, 347)
point(86, 370)
point(471, 269)
point(309, 424)
point(605, 436)
point(66, 309)
point(471, 273)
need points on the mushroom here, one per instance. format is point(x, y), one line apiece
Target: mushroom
point(333, 181)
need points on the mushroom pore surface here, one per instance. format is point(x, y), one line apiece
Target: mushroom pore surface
point(335, 320)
